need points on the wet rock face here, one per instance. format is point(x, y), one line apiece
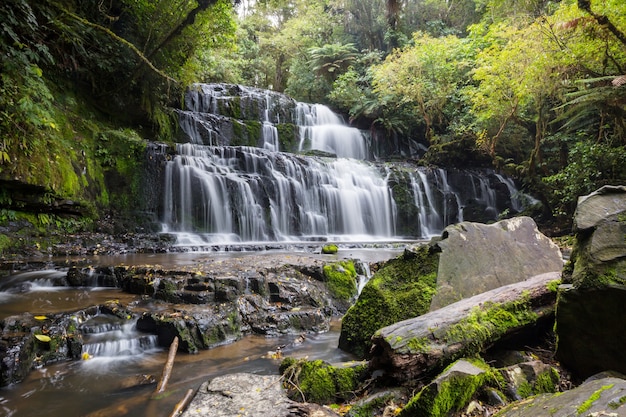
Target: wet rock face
point(477, 257)
point(587, 328)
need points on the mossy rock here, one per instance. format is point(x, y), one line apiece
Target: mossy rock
point(329, 249)
point(401, 289)
point(319, 382)
point(452, 390)
point(341, 279)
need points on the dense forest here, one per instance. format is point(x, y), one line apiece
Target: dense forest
point(533, 88)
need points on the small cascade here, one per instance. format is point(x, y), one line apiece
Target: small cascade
point(44, 280)
point(110, 337)
point(364, 277)
point(322, 130)
point(516, 200)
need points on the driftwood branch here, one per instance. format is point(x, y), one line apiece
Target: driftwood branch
point(167, 369)
point(182, 404)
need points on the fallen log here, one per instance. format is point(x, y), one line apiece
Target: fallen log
point(421, 346)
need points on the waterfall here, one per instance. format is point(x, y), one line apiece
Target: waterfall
point(322, 130)
point(233, 182)
point(235, 194)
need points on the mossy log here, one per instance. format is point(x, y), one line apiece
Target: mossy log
point(424, 345)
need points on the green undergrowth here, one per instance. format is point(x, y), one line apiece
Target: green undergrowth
point(401, 289)
point(57, 171)
point(319, 382)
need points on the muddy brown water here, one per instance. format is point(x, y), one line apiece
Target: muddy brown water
point(99, 386)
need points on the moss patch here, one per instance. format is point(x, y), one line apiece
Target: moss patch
point(487, 323)
point(452, 393)
point(593, 398)
point(341, 279)
point(401, 289)
point(319, 382)
point(329, 249)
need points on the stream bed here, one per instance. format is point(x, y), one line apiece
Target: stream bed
point(112, 380)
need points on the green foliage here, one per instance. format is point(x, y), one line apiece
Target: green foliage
point(401, 289)
point(589, 166)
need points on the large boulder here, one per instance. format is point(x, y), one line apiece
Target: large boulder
point(250, 395)
point(477, 257)
point(590, 338)
point(470, 258)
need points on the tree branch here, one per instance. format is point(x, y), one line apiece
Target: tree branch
point(602, 20)
point(119, 39)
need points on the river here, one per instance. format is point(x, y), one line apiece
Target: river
point(104, 385)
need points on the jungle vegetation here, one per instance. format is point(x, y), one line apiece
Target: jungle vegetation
point(536, 88)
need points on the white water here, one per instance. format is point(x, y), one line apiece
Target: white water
point(228, 194)
point(323, 130)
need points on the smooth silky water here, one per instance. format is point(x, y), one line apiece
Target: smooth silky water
point(98, 386)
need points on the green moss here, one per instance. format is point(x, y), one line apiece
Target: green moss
point(546, 382)
point(440, 398)
point(341, 279)
point(318, 382)
point(616, 404)
point(553, 285)
point(288, 137)
point(593, 398)
point(329, 249)
point(487, 323)
point(5, 243)
point(401, 289)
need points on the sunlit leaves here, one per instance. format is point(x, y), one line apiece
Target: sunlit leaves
point(424, 75)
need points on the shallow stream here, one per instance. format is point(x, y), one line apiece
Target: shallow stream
point(106, 384)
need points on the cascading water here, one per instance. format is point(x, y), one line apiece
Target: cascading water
point(218, 193)
point(234, 194)
point(109, 338)
point(323, 130)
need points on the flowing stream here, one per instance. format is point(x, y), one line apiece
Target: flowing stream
point(120, 358)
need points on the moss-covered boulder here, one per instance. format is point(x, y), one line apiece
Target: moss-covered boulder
point(401, 289)
point(341, 279)
point(451, 391)
point(330, 249)
point(322, 383)
point(595, 293)
point(530, 378)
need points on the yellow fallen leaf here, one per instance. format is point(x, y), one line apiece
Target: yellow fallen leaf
point(40, 317)
point(43, 338)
